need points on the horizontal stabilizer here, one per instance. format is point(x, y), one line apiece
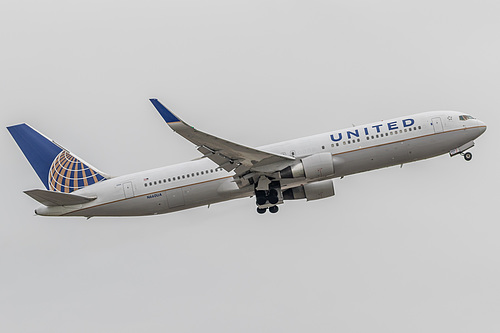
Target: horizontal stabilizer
point(51, 198)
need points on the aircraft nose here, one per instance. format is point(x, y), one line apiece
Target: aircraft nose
point(482, 126)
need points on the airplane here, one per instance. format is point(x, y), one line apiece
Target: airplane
point(302, 168)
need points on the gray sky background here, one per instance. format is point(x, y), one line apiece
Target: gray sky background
point(396, 250)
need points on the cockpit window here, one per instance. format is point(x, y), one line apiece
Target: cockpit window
point(465, 117)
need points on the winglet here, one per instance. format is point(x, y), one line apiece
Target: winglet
point(168, 116)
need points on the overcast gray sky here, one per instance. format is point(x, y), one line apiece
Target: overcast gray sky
point(396, 250)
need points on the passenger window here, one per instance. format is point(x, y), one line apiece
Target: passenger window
point(169, 180)
point(367, 138)
point(419, 127)
point(197, 173)
point(145, 184)
point(409, 129)
point(323, 147)
point(183, 177)
point(188, 175)
point(150, 184)
point(202, 172)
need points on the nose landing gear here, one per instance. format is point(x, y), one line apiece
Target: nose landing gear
point(461, 150)
point(468, 156)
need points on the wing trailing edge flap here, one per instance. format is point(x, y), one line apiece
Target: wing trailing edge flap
point(228, 155)
point(51, 198)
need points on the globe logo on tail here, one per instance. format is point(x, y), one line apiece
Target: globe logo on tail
point(68, 174)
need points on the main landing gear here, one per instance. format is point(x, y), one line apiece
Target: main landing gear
point(272, 209)
point(268, 198)
point(265, 196)
point(467, 156)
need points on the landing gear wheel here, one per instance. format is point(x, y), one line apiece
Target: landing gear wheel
point(260, 197)
point(261, 210)
point(273, 209)
point(260, 193)
point(273, 200)
point(261, 200)
point(468, 156)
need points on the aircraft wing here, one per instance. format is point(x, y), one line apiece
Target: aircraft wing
point(228, 155)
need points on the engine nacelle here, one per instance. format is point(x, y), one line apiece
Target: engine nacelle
point(312, 167)
point(312, 191)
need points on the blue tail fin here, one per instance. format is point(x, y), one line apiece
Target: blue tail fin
point(56, 167)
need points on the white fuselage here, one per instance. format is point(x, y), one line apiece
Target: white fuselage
point(202, 182)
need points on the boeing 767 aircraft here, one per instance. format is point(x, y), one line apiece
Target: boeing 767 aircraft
point(297, 169)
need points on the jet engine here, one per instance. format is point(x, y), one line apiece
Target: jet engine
point(312, 167)
point(312, 191)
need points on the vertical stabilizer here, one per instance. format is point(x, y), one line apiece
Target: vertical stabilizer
point(56, 167)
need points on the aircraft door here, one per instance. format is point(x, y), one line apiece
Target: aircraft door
point(175, 198)
point(437, 124)
point(128, 190)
